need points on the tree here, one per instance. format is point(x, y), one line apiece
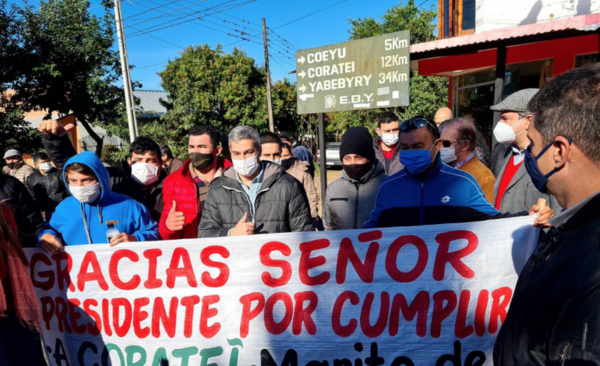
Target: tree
point(66, 64)
point(209, 86)
point(427, 93)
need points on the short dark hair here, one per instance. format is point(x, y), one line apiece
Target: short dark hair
point(39, 156)
point(206, 130)
point(386, 117)
point(569, 106)
point(286, 136)
point(465, 128)
point(166, 150)
point(81, 169)
point(269, 138)
point(286, 146)
point(142, 145)
point(431, 127)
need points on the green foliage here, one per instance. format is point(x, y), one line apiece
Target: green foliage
point(427, 93)
point(63, 61)
point(209, 86)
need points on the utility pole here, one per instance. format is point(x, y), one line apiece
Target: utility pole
point(269, 101)
point(131, 119)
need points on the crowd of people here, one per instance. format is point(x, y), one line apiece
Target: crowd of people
point(414, 172)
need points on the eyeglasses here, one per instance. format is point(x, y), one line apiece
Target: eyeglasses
point(414, 123)
point(447, 143)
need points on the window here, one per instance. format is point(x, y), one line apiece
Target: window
point(456, 17)
point(586, 59)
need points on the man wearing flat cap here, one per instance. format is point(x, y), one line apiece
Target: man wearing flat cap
point(513, 190)
point(15, 165)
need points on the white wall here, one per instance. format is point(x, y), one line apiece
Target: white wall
point(497, 14)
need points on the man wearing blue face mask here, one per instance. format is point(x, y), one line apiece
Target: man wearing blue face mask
point(84, 217)
point(554, 316)
point(253, 196)
point(429, 192)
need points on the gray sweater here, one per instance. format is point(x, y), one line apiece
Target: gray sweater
point(349, 202)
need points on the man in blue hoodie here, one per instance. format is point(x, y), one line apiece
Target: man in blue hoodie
point(429, 192)
point(95, 205)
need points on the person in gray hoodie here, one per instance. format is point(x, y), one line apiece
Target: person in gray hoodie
point(351, 198)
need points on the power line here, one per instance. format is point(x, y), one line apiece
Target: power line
point(149, 10)
point(165, 26)
point(165, 14)
point(295, 20)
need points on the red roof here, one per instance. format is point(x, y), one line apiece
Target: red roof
point(581, 23)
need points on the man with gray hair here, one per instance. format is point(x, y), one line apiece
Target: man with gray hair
point(513, 190)
point(253, 196)
point(459, 141)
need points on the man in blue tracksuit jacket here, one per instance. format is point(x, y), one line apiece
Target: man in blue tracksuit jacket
point(83, 217)
point(429, 192)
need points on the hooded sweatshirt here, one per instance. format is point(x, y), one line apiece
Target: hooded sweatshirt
point(72, 217)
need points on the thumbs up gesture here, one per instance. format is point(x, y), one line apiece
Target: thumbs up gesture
point(175, 219)
point(243, 227)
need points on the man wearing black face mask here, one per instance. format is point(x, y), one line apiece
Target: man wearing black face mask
point(185, 191)
point(554, 317)
point(351, 198)
point(428, 192)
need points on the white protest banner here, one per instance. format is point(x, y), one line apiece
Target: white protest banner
point(432, 295)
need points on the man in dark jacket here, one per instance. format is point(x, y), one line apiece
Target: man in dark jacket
point(554, 316)
point(145, 182)
point(253, 197)
point(351, 198)
point(386, 143)
point(29, 220)
point(429, 192)
point(45, 185)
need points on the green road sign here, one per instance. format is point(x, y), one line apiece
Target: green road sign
point(366, 73)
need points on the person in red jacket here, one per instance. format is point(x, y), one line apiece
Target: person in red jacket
point(185, 190)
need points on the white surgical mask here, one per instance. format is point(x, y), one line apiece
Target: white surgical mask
point(505, 134)
point(86, 194)
point(45, 167)
point(144, 173)
point(246, 167)
point(448, 154)
point(276, 161)
point(389, 139)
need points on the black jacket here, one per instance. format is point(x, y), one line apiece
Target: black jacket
point(47, 190)
point(556, 294)
point(281, 205)
point(29, 220)
point(60, 150)
point(152, 199)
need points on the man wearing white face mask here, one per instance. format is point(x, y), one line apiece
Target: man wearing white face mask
point(513, 190)
point(385, 144)
point(45, 185)
point(147, 175)
point(253, 196)
point(83, 218)
point(459, 140)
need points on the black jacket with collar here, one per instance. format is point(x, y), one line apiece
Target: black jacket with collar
point(281, 205)
point(48, 190)
point(152, 199)
point(557, 293)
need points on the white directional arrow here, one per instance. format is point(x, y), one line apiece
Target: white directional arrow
point(302, 74)
point(301, 59)
point(302, 88)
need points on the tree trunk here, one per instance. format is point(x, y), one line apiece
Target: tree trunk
point(99, 140)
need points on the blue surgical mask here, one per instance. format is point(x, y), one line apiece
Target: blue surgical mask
point(416, 161)
point(539, 180)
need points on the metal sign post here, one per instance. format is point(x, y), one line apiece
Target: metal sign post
point(363, 74)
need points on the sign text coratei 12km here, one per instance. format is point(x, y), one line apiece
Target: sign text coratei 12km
point(362, 74)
